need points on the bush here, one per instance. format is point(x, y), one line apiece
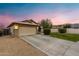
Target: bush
point(46, 25)
point(62, 30)
point(46, 31)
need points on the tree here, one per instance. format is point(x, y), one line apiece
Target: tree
point(67, 26)
point(46, 25)
point(1, 29)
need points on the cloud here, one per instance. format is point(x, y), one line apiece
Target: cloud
point(59, 20)
point(63, 17)
point(74, 21)
point(57, 17)
point(6, 19)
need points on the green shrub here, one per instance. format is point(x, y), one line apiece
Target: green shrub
point(46, 25)
point(46, 31)
point(62, 30)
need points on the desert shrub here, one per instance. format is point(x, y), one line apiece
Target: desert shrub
point(46, 31)
point(62, 30)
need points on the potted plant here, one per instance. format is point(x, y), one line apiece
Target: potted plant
point(46, 26)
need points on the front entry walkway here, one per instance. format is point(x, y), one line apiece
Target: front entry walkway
point(51, 46)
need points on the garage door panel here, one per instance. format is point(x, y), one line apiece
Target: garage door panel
point(27, 31)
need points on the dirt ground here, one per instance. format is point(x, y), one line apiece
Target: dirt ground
point(16, 47)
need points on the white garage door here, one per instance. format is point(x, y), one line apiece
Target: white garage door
point(27, 31)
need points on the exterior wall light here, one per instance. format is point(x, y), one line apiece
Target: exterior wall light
point(16, 27)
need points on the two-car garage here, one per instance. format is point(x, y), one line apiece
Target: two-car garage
point(23, 28)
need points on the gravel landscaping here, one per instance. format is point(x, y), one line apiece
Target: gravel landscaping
point(16, 47)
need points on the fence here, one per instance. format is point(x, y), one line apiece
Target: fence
point(69, 30)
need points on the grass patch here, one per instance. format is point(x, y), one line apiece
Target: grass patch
point(66, 36)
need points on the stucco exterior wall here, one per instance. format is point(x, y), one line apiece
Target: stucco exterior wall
point(73, 31)
point(54, 30)
point(13, 31)
point(69, 30)
point(23, 30)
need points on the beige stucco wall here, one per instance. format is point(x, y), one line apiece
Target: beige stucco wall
point(13, 32)
point(73, 31)
point(54, 30)
point(69, 30)
point(23, 30)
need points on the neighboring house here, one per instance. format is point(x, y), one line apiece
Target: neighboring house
point(26, 27)
point(57, 26)
point(74, 25)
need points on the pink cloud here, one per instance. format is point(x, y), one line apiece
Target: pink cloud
point(59, 20)
point(57, 17)
point(74, 21)
point(37, 17)
point(65, 17)
point(6, 19)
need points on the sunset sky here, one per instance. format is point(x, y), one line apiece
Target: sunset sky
point(58, 13)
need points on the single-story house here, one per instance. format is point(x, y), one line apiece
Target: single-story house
point(74, 25)
point(57, 26)
point(26, 27)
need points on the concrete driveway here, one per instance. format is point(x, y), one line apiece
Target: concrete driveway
point(50, 45)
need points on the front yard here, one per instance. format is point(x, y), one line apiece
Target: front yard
point(66, 36)
point(10, 46)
